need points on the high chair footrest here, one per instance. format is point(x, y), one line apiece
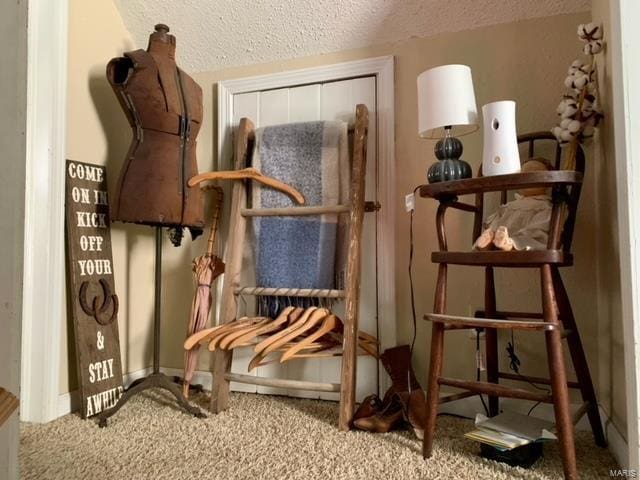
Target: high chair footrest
point(473, 322)
point(495, 389)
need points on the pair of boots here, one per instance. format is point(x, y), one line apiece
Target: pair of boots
point(404, 402)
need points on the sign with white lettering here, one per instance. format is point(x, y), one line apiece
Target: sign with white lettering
point(95, 304)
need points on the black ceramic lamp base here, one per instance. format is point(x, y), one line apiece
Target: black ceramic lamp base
point(449, 165)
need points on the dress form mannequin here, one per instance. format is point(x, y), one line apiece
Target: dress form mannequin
point(164, 108)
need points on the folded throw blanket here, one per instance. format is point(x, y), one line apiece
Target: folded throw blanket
point(300, 252)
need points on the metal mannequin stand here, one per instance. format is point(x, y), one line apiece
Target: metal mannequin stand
point(156, 379)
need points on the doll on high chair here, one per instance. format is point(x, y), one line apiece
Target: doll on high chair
point(523, 223)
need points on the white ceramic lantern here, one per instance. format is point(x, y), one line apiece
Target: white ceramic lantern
point(500, 154)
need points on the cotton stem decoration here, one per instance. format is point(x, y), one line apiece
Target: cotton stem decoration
point(579, 111)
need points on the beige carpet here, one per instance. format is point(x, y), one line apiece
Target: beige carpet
point(264, 437)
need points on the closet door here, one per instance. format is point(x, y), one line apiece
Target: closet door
point(323, 101)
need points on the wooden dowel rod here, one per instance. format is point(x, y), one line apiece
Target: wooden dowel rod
point(293, 211)
point(455, 396)
point(527, 378)
point(282, 383)
point(290, 292)
point(495, 389)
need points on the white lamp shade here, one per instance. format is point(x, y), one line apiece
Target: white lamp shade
point(446, 98)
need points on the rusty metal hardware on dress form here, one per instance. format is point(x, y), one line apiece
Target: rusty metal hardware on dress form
point(164, 108)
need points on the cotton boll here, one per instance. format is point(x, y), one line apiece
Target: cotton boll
point(574, 126)
point(567, 107)
point(570, 110)
point(590, 31)
point(585, 68)
point(568, 82)
point(581, 31)
point(557, 131)
point(580, 81)
point(597, 35)
point(564, 123)
point(593, 47)
point(575, 66)
point(566, 135)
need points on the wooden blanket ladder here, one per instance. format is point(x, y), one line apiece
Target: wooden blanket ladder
point(221, 367)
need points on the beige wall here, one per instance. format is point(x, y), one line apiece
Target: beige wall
point(13, 104)
point(524, 61)
point(97, 132)
point(610, 331)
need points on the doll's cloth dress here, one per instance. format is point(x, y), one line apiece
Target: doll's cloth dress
point(527, 220)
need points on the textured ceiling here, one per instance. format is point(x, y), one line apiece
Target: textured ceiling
point(216, 34)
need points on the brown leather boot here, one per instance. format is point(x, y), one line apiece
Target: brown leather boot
point(414, 410)
point(369, 407)
point(397, 363)
point(384, 421)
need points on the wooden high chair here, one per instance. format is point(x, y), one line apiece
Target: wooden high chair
point(556, 320)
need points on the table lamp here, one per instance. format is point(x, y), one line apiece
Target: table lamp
point(446, 109)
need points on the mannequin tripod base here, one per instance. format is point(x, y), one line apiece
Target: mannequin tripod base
point(155, 380)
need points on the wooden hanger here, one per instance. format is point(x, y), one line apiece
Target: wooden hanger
point(316, 317)
point(200, 337)
point(331, 326)
point(252, 174)
point(328, 324)
point(231, 336)
point(233, 326)
point(314, 350)
point(292, 327)
point(365, 341)
point(204, 335)
point(289, 314)
point(311, 317)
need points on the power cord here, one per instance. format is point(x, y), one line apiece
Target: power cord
point(413, 301)
point(514, 366)
point(478, 330)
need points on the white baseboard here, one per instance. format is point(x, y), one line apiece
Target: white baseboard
point(468, 407)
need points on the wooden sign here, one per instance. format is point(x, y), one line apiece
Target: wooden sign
point(93, 293)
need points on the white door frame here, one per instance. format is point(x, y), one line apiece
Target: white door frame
point(383, 69)
point(623, 47)
point(44, 300)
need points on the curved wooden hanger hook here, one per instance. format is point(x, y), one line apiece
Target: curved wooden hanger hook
point(251, 174)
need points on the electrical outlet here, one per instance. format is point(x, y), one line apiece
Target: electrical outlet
point(409, 202)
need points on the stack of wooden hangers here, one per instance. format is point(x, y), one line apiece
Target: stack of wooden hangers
point(297, 332)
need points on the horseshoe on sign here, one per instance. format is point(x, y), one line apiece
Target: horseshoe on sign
point(95, 311)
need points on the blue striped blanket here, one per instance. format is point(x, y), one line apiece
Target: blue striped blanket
point(300, 252)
